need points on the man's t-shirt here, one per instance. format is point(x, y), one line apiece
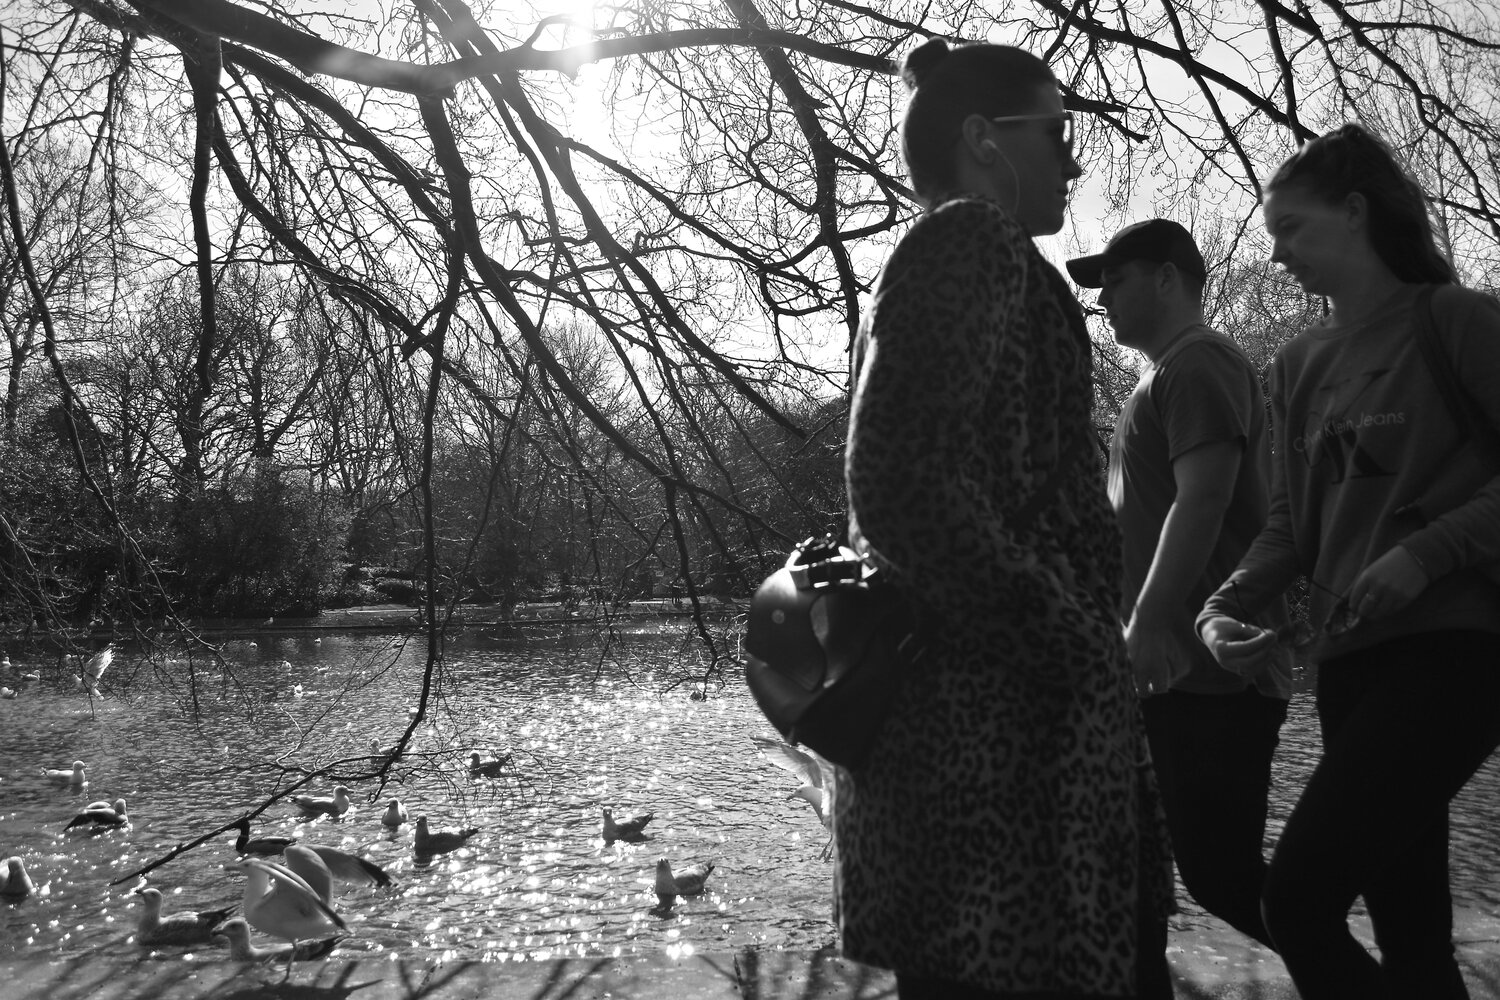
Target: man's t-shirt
point(1201, 390)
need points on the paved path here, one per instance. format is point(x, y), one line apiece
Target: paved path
point(1209, 962)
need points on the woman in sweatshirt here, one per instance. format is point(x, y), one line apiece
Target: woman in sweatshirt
point(1391, 510)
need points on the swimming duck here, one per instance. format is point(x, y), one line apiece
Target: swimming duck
point(15, 883)
point(487, 768)
point(99, 816)
point(75, 775)
point(394, 815)
point(688, 882)
point(631, 830)
point(236, 933)
point(185, 927)
point(430, 842)
point(334, 805)
point(267, 847)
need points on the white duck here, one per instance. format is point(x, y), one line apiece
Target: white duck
point(334, 805)
point(185, 927)
point(282, 903)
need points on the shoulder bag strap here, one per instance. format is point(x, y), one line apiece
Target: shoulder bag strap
point(1466, 414)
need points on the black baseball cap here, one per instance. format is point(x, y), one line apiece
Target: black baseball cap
point(1160, 241)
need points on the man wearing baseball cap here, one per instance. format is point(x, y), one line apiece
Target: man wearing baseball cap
point(1189, 480)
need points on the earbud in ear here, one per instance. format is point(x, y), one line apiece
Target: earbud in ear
point(988, 146)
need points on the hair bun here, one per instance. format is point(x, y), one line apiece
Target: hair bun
point(921, 61)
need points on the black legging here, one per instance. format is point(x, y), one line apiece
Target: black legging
point(1405, 725)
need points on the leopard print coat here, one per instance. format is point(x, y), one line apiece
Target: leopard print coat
point(1007, 825)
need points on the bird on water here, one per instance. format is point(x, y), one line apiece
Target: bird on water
point(98, 816)
point(236, 933)
point(15, 883)
point(282, 903)
point(631, 829)
point(690, 881)
point(429, 841)
point(334, 805)
point(76, 775)
point(184, 927)
point(268, 847)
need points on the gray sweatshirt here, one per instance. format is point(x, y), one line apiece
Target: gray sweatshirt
point(1367, 456)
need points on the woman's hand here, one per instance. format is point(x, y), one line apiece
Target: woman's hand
point(1240, 648)
point(1388, 584)
point(1158, 653)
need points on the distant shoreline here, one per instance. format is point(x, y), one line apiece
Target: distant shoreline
point(401, 617)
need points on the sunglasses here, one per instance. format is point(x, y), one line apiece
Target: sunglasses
point(1341, 619)
point(1066, 117)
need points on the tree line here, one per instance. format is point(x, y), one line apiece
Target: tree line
point(506, 304)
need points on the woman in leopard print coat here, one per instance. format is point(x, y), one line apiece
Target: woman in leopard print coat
point(1005, 838)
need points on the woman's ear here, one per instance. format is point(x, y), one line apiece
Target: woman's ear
point(1356, 211)
point(975, 134)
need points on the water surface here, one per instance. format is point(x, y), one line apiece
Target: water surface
point(586, 727)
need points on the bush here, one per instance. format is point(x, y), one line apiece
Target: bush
point(276, 549)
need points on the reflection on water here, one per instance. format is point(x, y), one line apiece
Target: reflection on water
point(537, 880)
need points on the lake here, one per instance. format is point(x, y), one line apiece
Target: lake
point(588, 724)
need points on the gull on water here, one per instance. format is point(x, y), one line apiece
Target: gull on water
point(15, 883)
point(487, 768)
point(818, 779)
point(687, 882)
point(185, 927)
point(394, 815)
point(334, 805)
point(347, 867)
point(99, 816)
point(632, 829)
point(429, 842)
point(265, 846)
point(280, 902)
point(236, 933)
point(75, 775)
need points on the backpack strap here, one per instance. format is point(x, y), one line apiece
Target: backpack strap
point(1471, 421)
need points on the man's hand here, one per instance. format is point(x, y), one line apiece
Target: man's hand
point(1240, 648)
